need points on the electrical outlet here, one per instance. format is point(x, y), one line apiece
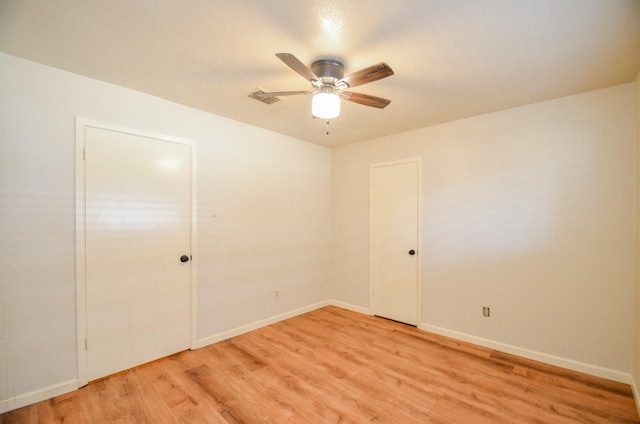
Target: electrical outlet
point(486, 311)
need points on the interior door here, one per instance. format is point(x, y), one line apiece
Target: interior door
point(137, 244)
point(394, 240)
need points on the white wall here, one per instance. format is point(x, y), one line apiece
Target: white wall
point(270, 195)
point(530, 211)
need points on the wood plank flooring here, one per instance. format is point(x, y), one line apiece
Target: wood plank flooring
point(333, 365)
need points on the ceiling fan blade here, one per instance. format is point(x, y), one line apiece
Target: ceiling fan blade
point(365, 99)
point(367, 75)
point(294, 63)
point(282, 93)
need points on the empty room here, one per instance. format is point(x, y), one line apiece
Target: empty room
point(305, 211)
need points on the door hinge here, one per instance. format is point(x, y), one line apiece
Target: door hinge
point(86, 344)
point(84, 153)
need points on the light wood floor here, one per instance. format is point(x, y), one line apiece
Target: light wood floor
point(333, 365)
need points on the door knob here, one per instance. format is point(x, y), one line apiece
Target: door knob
point(184, 258)
point(412, 252)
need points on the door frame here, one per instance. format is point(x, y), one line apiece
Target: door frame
point(372, 167)
point(80, 195)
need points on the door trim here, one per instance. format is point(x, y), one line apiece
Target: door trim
point(81, 277)
point(372, 167)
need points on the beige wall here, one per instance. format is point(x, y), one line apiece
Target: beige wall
point(530, 211)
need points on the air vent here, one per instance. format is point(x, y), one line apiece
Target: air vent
point(258, 95)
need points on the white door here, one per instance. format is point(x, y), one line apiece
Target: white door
point(395, 288)
point(138, 226)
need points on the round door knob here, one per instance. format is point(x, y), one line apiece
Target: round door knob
point(184, 258)
point(412, 252)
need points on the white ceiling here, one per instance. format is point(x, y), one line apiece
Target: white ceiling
point(452, 58)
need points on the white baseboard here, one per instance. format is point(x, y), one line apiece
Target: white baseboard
point(37, 396)
point(258, 324)
point(636, 393)
point(272, 320)
point(350, 307)
point(531, 354)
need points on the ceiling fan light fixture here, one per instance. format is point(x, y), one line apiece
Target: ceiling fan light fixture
point(325, 104)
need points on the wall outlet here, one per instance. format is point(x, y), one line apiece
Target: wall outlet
point(486, 311)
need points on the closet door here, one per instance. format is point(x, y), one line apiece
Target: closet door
point(394, 240)
point(137, 244)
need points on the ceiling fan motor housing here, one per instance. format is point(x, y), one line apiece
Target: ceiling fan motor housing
point(329, 71)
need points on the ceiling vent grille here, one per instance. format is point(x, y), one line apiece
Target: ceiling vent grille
point(263, 99)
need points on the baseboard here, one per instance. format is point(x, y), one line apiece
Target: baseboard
point(37, 396)
point(636, 393)
point(350, 307)
point(257, 324)
point(272, 320)
point(534, 355)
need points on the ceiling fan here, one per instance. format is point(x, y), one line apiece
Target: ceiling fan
point(329, 84)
